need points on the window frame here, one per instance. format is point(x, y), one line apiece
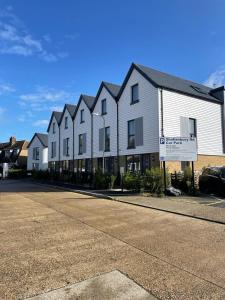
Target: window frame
point(133, 101)
point(103, 105)
point(66, 122)
point(53, 127)
point(129, 135)
point(80, 144)
point(82, 116)
point(195, 128)
point(67, 146)
point(107, 140)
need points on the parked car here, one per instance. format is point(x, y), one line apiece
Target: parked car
point(212, 180)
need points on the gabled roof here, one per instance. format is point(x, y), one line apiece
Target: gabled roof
point(112, 88)
point(71, 109)
point(43, 138)
point(88, 100)
point(57, 116)
point(173, 83)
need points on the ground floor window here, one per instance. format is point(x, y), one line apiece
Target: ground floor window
point(35, 166)
point(65, 165)
point(108, 164)
point(133, 163)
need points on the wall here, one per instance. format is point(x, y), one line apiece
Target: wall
point(43, 155)
point(110, 120)
point(53, 138)
point(147, 108)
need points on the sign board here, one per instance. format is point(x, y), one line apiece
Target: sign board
point(177, 149)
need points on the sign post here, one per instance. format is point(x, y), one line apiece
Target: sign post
point(178, 149)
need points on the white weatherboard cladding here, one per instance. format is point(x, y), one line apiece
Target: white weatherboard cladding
point(43, 155)
point(207, 114)
point(80, 128)
point(66, 133)
point(147, 107)
point(110, 120)
point(53, 137)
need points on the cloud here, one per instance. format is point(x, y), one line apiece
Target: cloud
point(6, 88)
point(16, 40)
point(45, 99)
point(41, 123)
point(56, 108)
point(217, 78)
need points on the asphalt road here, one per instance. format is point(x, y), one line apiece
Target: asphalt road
point(51, 238)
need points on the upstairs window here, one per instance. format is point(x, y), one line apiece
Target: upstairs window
point(131, 134)
point(82, 116)
point(66, 122)
point(36, 153)
point(53, 127)
point(134, 94)
point(80, 143)
point(192, 127)
point(53, 150)
point(66, 147)
point(104, 110)
point(107, 139)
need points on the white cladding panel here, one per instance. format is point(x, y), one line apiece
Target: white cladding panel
point(207, 115)
point(53, 137)
point(43, 155)
point(81, 128)
point(66, 133)
point(110, 120)
point(147, 107)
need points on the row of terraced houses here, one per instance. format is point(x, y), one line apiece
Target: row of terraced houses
point(125, 122)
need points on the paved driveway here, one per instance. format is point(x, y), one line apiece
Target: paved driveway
point(50, 238)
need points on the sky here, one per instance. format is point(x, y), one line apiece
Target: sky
point(52, 51)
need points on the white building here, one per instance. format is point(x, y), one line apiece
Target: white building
point(83, 134)
point(38, 152)
point(66, 138)
point(152, 104)
point(53, 141)
point(105, 111)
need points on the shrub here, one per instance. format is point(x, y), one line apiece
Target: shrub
point(113, 180)
point(17, 173)
point(153, 181)
point(132, 181)
point(41, 174)
point(101, 181)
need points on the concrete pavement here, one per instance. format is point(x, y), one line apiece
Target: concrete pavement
point(52, 239)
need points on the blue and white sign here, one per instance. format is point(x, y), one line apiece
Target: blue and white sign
point(177, 149)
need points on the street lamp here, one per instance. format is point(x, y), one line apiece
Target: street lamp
point(103, 152)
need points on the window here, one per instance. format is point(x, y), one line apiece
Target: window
point(133, 163)
point(192, 127)
point(53, 150)
point(66, 147)
point(107, 139)
point(66, 122)
point(104, 111)
point(36, 153)
point(80, 143)
point(134, 94)
point(82, 116)
point(35, 166)
point(131, 134)
point(53, 127)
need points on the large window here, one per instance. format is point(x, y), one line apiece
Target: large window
point(134, 94)
point(82, 116)
point(36, 153)
point(66, 122)
point(66, 147)
point(53, 149)
point(104, 109)
point(131, 134)
point(107, 139)
point(81, 141)
point(35, 166)
point(192, 127)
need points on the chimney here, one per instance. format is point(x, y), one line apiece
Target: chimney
point(12, 140)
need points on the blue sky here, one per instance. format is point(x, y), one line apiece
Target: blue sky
point(52, 51)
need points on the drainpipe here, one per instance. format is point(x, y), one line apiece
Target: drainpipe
point(161, 107)
point(73, 147)
point(91, 143)
point(117, 128)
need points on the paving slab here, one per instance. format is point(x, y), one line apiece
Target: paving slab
point(111, 286)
